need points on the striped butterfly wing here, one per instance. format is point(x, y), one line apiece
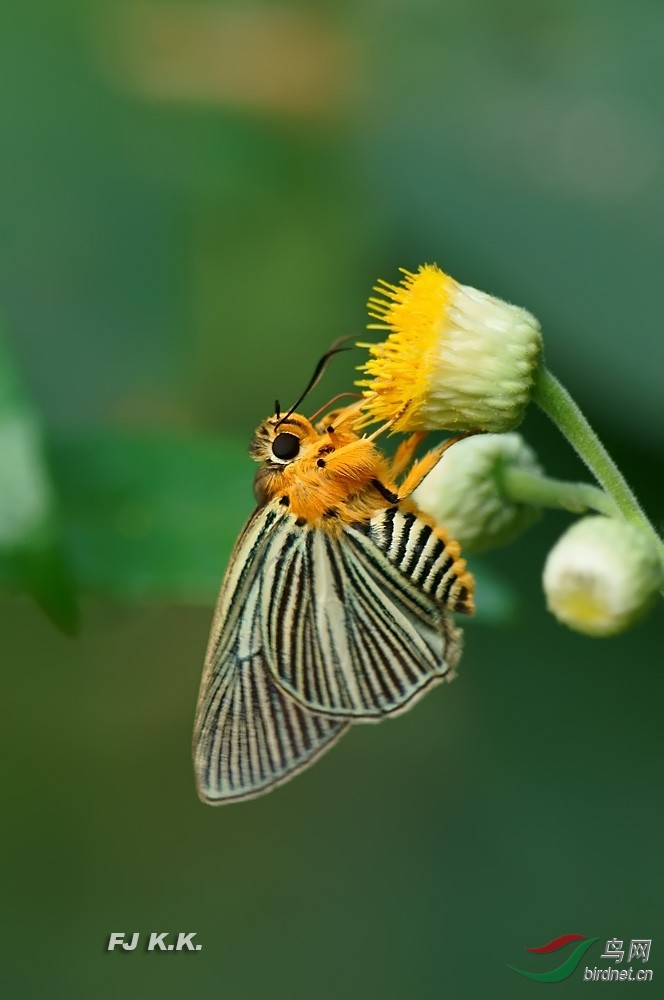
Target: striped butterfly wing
point(355, 625)
point(249, 735)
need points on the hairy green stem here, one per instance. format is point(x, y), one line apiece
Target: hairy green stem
point(557, 403)
point(522, 486)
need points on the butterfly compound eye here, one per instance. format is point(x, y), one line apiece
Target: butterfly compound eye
point(286, 447)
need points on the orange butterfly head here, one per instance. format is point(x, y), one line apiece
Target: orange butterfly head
point(322, 472)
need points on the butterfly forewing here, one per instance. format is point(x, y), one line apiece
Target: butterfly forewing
point(250, 735)
point(353, 624)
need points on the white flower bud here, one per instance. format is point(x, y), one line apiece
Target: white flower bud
point(462, 491)
point(455, 358)
point(602, 575)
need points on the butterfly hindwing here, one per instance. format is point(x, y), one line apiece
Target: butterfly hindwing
point(353, 623)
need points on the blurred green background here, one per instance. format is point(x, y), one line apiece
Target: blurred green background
point(196, 200)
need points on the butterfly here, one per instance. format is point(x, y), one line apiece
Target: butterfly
point(335, 607)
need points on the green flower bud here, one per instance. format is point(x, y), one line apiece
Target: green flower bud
point(602, 576)
point(463, 494)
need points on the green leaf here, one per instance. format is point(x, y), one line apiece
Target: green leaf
point(150, 516)
point(31, 554)
point(43, 572)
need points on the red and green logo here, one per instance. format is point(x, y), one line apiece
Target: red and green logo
point(567, 967)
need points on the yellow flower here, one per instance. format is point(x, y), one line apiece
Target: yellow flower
point(602, 576)
point(455, 358)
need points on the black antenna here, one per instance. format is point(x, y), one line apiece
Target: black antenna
point(318, 374)
point(277, 408)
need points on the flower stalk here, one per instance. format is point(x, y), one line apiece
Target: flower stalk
point(521, 486)
point(559, 406)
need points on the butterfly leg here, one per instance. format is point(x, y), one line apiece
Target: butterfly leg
point(424, 466)
point(404, 453)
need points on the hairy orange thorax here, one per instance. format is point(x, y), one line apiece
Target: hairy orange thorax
point(332, 474)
